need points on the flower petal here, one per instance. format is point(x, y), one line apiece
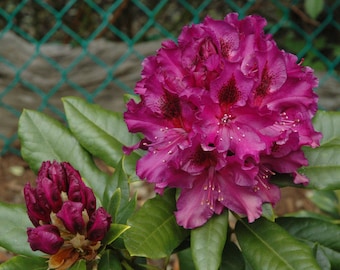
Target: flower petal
point(48, 191)
point(191, 212)
point(72, 217)
point(45, 238)
point(98, 225)
point(215, 109)
point(36, 211)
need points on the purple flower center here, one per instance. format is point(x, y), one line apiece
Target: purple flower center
point(171, 107)
point(204, 158)
point(262, 90)
point(228, 94)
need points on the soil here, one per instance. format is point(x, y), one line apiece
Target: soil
point(15, 172)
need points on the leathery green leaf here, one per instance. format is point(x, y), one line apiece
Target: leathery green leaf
point(232, 258)
point(320, 232)
point(109, 261)
point(44, 138)
point(324, 161)
point(207, 242)
point(14, 222)
point(185, 259)
point(154, 232)
point(114, 232)
point(79, 265)
point(22, 262)
point(266, 245)
point(102, 132)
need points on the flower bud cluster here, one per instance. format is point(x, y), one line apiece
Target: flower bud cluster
point(63, 210)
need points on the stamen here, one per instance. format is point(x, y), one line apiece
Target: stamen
point(225, 118)
point(256, 188)
point(286, 123)
point(210, 189)
point(262, 178)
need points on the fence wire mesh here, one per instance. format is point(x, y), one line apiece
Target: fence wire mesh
point(93, 48)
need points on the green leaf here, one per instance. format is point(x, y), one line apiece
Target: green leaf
point(185, 259)
point(207, 242)
point(313, 7)
point(22, 262)
point(324, 163)
point(126, 210)
point(268, 211)
point(154, 232)
point(126, 204)
point(309, 214)
point(332, 255)
point(321, 257)
point(79, 265)
point(109, 261)
point(102, 132)
point(323, 170)
point(232, 258)
point(44, 138)
point(326, 200)
point(321, 233)
point(266, 245)
point(129, 166)
point(128, 97)
point(119, 180)
point(114, 232)
point(327, 123)
point(315, 230)
point(113, 205)
point(248, 266)
point(14, 222)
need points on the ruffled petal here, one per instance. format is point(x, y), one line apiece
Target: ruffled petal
point(216, 108)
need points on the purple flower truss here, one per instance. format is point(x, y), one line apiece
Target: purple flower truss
point(222, 111)
point(63, 210)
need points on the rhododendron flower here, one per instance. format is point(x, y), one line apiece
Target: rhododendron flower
point(222, 110)
point(63, 210)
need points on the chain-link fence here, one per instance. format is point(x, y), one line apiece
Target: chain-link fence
point(93, 48)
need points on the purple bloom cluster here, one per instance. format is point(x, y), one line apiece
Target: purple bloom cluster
point(222, 110)
point(63, 210)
